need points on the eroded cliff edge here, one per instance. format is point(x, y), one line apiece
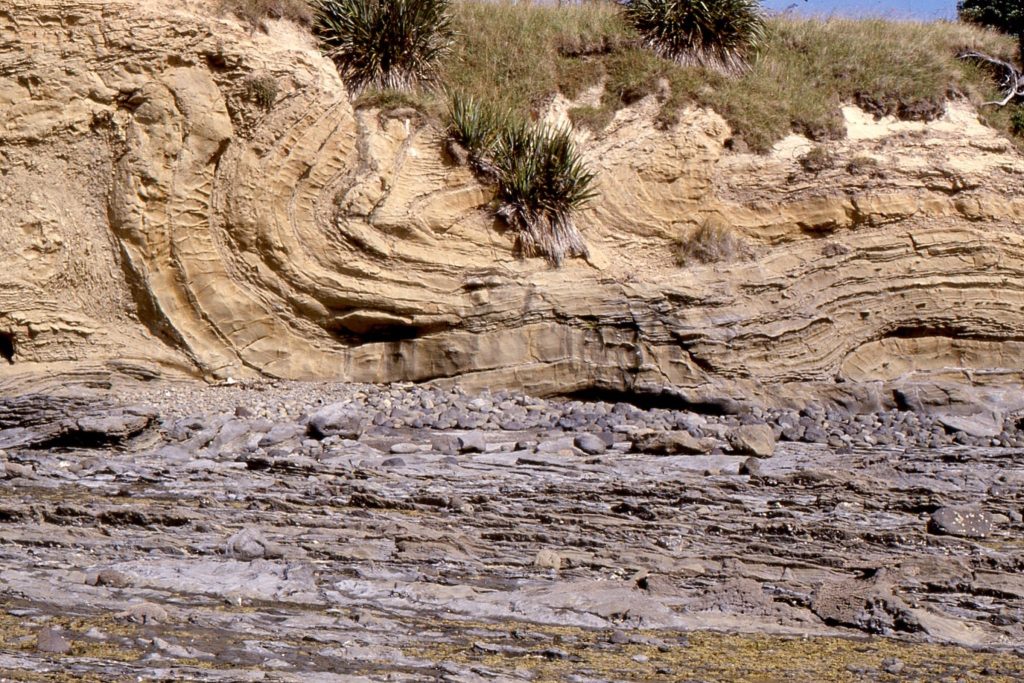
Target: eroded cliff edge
point(159, 219)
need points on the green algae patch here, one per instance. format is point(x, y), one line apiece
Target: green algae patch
point(551, 654)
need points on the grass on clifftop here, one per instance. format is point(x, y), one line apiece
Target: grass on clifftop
point(516, 56)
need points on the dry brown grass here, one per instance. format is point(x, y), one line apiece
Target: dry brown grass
point(712, 243)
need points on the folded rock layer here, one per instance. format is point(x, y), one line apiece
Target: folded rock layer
point(159, 218)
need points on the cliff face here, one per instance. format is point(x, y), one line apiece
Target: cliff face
point(159, 219)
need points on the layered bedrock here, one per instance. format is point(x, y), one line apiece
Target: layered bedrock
point(159, 219)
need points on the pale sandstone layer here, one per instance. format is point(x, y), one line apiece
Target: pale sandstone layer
point(157, 220)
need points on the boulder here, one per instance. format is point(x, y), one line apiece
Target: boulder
point(671, 443)
point(472, 442)
point(590, 444)
point(757, 440)
point(49, 640)
point(984, 424)
point(249, 544)
point(108, 428)
point(337, 419)
point(548, 559)
point(866, 604)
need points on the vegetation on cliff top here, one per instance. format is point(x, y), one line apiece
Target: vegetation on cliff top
point(395, 44)
point(516, 56)
point(716, 35)
point(1004, 15)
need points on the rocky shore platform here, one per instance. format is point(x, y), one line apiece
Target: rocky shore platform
point(334, 532)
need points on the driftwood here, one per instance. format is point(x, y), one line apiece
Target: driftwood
point(1012, 78)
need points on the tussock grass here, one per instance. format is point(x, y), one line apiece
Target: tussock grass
point(718, 35)
point(392, 44)
point(515, 56)
point(540, 176)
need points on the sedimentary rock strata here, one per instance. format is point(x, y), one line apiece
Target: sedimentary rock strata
point(158, 215)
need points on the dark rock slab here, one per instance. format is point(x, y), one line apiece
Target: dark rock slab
point(590, 444)
point(964, 522)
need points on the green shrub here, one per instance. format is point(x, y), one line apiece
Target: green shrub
point(262, 90)
point(1005, 15)
point(384, 43)
point(542, 182)
point(718, 34)
point(1017, 121)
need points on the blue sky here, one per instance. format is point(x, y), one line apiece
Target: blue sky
point(896, 9)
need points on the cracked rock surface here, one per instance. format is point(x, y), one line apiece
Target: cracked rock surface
point(201, 549)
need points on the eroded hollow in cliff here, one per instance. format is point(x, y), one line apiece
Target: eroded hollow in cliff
point(8, 346)
point(651, 400)
point(372, 327)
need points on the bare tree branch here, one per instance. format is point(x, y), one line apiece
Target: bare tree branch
point(1012, 79)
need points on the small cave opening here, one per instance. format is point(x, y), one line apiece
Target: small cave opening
point(664, 400)
point(8, 347)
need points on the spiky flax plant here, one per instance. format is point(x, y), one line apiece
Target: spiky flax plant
point(717, 34)
point(392, 44)
point(476, 126)
point(542, 183)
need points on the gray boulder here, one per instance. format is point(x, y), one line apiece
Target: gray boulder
point(249, 544)
point(984, 424)
point(472, 442)
point(337, 419)
point(590, 444)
